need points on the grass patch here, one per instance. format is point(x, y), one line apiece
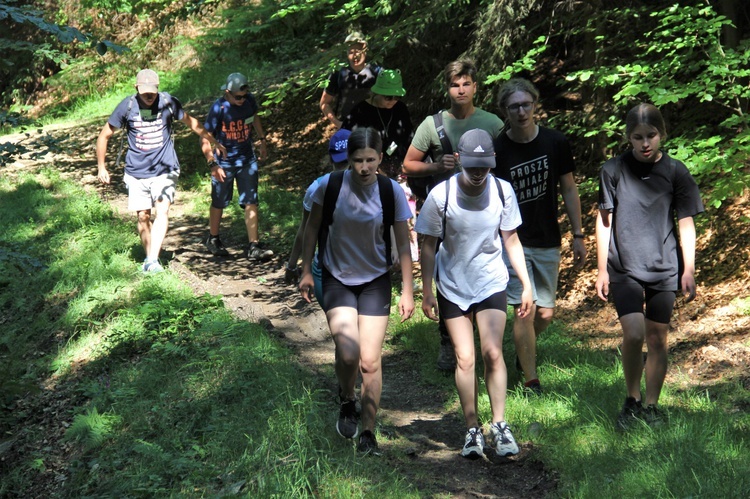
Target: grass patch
point(167, 393)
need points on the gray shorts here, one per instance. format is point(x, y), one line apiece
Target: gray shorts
point(143, 193)
point(543, 266)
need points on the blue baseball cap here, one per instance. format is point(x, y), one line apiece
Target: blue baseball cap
point(338, 144)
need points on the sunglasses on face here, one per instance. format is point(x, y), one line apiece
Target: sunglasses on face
point(239, 97)
point(148, 96)
point(389, 97)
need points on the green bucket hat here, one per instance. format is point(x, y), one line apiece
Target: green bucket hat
point(389, 83)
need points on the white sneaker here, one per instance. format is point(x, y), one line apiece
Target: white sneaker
point(473, 444)
point(502, 439)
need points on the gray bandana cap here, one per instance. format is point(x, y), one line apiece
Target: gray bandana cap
point(235, 82)
point(475, 149)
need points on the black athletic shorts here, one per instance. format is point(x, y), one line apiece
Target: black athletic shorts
point(449, 310)
point(631, 295)
point(372, 298)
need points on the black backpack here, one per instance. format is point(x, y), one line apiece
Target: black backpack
point(421, 186)
point(387, 200)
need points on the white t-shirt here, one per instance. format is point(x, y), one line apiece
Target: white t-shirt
point(355, 249)
point(469, 267)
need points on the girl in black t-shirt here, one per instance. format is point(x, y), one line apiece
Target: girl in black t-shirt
point(639, 259)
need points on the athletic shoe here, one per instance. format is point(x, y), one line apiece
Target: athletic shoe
point(152, 267)
point(631, 413)
point(473, 444)
point(215, 246)
point(502, 439)
point(653, 416)
point(346, 426)
point(533, 387)
point(256, 252)
point(367, 444)
point(446, 357)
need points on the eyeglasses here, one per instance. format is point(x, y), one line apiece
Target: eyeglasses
point(526, 106)
point(239, 97)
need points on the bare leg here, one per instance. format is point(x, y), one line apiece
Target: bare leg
point(144, 229)
point(656, 362)
point(251, 222)
point(342, 322)
point(542, 319)
point(524, 337)
point(491, 325)
point(371, 336)
point(214, 220)
point(159, 228)
point(633, 334)
point(461, 331)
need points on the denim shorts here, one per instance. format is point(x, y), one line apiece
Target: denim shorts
point(543, 266)
point(246, 177)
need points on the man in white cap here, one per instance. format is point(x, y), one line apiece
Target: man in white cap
point(349, 85)
point(231, 120)
point(151, 165)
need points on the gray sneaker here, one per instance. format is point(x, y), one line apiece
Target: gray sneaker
point(473, 444)
point(502, 439)
point(347, 424)
point(446, 357)
point(256, 252)
point(215, 246)
point(152, 267)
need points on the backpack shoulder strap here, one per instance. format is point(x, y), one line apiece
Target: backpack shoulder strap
point(447, 183)
point(388, 202)
point(445, 142)
point(500, 192)
point(124, 132)
point(335, 180)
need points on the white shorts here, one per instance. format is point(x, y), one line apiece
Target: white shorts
point(143, 193)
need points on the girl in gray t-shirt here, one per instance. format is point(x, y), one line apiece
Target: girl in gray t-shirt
point(356, 277)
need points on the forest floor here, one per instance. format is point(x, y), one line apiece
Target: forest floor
point(709, 338)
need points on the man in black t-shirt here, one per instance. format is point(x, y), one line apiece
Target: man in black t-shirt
point(535, 160)
point(350, 85)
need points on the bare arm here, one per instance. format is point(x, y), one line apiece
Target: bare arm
point(262, 137)
point(101, 152)
point(415, 166)
point(687, 241)
point(603, 231)
point(515, 254)
point(569, 191)
point(326, 107)
point(429, 303)
point(406, 303)
point(309, 241)
point(291, 272)
point(196, 127)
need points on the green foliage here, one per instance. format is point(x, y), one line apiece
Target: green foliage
point(91, 429)
point(677, 62)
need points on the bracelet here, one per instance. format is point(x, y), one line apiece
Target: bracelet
point(578, 236)
point(212, 163)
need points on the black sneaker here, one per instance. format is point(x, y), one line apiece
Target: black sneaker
point(446, 357)
point(534, 387)
point(346, 426)
point(653, 416)
point(215, 246)
point(473, 444)
point(631, 413)
point(367, 444)
point(256, 252)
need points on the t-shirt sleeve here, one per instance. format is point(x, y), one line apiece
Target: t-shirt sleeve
point(307, 201)
point(422, 140)
point(212, 119)
point(607, 185)
point(567, 163)
point(687, 198)
point(176, 108)
point(320, 191)
point(430, 219)
point(511, 217)
point(333, 84)
point(118, 118)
